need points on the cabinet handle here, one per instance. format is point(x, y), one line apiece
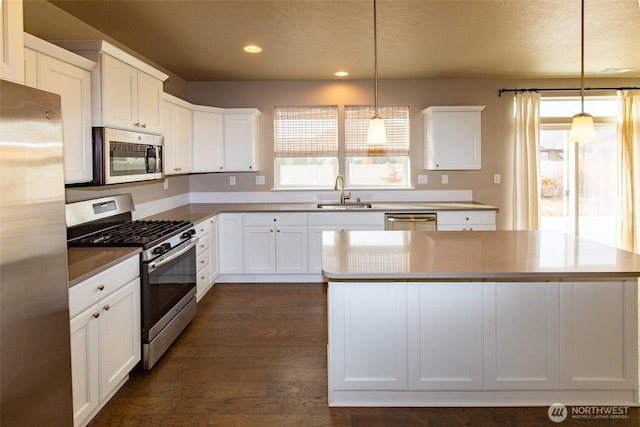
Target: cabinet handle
point(202, 262)
point(221, 167)
point(137, 124)
point(96, 314)
point(466, 218)
point(107, 307)
point(278, 230)
point(271, 230)
point(144, 125)
point(101, 287)
point(177, 169)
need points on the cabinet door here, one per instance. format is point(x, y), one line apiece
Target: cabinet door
point(73, 84)
point(291, 250)
point(119, 93)
point(230, 245)
point(367, 336)
point(240, 142)
point(149, 111)
point(259, 250)
point(202, 280)
point(445, 336)
point(120, 338)
point(11, 41)
point(515, 360)
point(176, 124)
point(214, 264)
point(315, 246)
point(84, 363)
point(599, 320)
point(208, 132)
point(453, 138)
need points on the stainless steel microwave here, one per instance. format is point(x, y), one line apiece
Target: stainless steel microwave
point(121, 156)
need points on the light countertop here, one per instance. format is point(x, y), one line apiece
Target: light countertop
point(196, 212)
point(456, 255)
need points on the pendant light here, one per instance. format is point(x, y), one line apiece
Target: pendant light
point(582, 125)
point(377, 134)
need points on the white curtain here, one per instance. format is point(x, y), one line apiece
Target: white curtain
point(629, 141)
point(526, 191)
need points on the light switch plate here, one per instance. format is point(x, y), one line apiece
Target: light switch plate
point(423, 179)
point(166, 184)
point(259, 179)
point(497, 178)
point(445, 179)
point(232, 180)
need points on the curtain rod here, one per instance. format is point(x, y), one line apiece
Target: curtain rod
point(566, 89)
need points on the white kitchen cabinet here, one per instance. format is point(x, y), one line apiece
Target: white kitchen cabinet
point(126, 92)
point(208, 139)
point(105, 335)
point(466, 220)
point(452, 137)
point(177, 131)
point(241, 139)
point(53, 69)
point(598, 318)
point(445, 347)
point(367, 336)
point(203, 278)
point(230, 245)
point(336, 221)
point(515, 360)
point(11, 43)
point(275, 243)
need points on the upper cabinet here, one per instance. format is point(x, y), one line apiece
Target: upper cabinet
point(53, 69)
point(241, 135)
point(127, 93)
point(452, 137)
point(208, 139)
point(176, 123)
point(225, 140)
point(11, 43)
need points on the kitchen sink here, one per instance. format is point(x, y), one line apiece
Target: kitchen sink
point(344, 206)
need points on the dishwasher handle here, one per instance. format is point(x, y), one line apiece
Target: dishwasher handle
point(411, 219)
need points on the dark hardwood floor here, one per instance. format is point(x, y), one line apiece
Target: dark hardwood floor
point(255, 355)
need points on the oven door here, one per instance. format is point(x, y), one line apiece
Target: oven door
point(168, 283)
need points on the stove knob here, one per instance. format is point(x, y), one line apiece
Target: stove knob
point(187, 234)
point(158, 250)
point(166, 246)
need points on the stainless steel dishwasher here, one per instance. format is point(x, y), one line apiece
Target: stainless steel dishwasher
point(411, 221)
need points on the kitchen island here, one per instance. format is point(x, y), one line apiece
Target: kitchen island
point(479, 319)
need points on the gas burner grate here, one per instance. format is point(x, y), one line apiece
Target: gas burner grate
point(133, 233)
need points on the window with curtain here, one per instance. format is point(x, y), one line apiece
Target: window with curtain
point(305, 146)
point(579, 181)
point(377, 166)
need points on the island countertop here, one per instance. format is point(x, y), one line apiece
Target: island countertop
point(454, 255)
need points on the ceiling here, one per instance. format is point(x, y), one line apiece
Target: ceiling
point(311, 39)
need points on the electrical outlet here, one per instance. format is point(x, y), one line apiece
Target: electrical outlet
point(232, 180)
point(259, 179)
point(423, 179)
point(497, 178)
point(445, 179)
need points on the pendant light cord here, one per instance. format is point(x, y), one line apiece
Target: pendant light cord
point(582, 57)
point(375, 57)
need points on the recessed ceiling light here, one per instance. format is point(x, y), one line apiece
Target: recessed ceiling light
point(341, 74)
point(617, 70)
point(252, 48)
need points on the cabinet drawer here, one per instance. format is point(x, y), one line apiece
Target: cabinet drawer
point(202, 260)
point(92, 290)
point(202, 228)
point(467, 217)
point(275, 218)
point(203, 244)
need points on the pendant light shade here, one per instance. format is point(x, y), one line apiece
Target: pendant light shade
point(582, 129)
point(377, 134)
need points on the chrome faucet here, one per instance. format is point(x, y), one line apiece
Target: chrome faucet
point(340, 186)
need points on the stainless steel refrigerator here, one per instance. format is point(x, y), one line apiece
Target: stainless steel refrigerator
point(35, 355)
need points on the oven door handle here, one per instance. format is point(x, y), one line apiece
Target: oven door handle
point(164, 261)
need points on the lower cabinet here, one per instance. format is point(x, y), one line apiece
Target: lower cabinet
point(482, 343)
point(105, 336)
point(230, 243)
point(203, 271)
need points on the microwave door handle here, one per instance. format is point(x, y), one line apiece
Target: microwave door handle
point(150, 154)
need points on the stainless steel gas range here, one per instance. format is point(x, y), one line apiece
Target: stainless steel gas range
point(167, 269)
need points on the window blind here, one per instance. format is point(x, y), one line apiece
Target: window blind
point(307, 131)
point(396, 122)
